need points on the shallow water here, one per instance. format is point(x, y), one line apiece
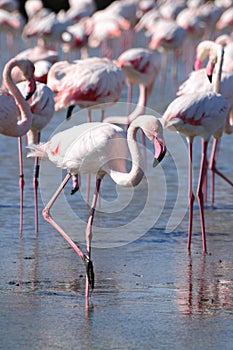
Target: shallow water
point(149, 292)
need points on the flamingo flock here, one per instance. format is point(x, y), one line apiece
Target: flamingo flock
point(82, 57)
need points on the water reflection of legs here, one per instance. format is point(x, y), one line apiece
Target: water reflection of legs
point(207, 288)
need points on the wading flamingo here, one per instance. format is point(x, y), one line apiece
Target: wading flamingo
point(198, 81)
point(42, 108)
point(98, 148)
point(15, 113)
point(199, 114)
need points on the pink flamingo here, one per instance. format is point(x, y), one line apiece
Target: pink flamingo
point(15, 113)
point(198, 81)
point(42, 58)
point(42, 109)
point(41, 103)
point(104, 27)
point(99, 148)
point(225, 22)
point(169, 36)
point(75, 38)
point(141, 67)
point(47, 27)
point(87, 83)
point(199, 114)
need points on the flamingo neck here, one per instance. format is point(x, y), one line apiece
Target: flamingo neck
point(217, 76)
point(136, 173)
point(25, 122)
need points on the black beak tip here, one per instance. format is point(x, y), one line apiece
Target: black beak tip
point(159, 159)
point(210, 77)
point(155, 163)
point(29, 95)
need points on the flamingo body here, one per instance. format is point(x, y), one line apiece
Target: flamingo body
point(9, 114)
point(84, 147)
point(86, 82)
point(140, 65)
point(41, 103)
point(197, 114)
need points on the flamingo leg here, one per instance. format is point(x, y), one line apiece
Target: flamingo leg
point(163, 73)
point(89, 231)
point(214, 170)
point(190, 193)
point(205, 182)
point(35, 186)
point(46, 214)
point(88, 175)
point(21, 185)
point(200, 196)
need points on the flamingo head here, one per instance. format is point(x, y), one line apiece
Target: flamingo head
point(27, 68)
point(153, 130)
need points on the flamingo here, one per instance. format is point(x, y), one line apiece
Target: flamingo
point(198, 81)
point(15, 113)
point(42, 109)
point(41, 57)
point(225, 21)
point(104, 26)
point(99, 148)
point(86, 82)
point(199, 114)
point(46, 26)
point(141, 67)
point(169, 36)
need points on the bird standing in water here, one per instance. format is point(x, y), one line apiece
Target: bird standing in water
point(199, 114)
point(98, 148)
point(15, 113)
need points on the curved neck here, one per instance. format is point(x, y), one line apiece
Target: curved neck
point(136, 173)
point(217, 76)
point(26, 116)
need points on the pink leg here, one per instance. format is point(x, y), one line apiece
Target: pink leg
point(205, 182)
point(88, 175)
point(21, 185)
point(213, 168)
point(89, 230)
point(200, 192)
point(46, 214)
point(190, 194)
point(163, 73)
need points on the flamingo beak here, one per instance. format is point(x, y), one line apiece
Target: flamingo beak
point(209, 70)
point(160, 151)
point(31, 88)
point(197, 64)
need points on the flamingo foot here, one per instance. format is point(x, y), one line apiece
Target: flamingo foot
point(89, 271)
